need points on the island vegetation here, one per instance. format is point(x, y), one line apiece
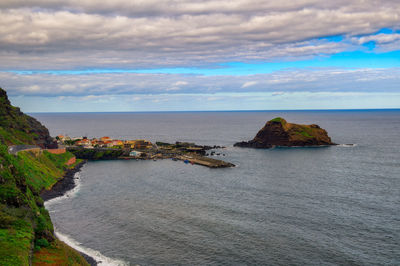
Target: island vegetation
point(278, 132)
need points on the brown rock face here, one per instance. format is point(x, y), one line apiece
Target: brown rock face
point(17, 127)
point(278, 132)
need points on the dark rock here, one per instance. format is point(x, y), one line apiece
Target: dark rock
point(65, 184)
point(278, 132)
point(30, 131)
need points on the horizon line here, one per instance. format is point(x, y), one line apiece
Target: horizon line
point(227, 111)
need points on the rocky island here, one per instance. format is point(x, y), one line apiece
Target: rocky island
point(278, 132)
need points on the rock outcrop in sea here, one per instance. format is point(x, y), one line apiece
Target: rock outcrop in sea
point(278, 132)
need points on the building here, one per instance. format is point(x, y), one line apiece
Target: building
point(135, 154)
point(108, 143)
point(84, 142)
point(141, 144)
point(105, 139)
point(118, 143)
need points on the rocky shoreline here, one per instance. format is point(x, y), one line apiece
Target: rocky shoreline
point(60, 188)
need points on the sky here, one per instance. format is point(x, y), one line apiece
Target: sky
point(200, 55)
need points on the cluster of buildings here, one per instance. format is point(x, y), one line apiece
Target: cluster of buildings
point(104, 142)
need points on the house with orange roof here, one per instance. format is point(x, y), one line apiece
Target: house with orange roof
point(83, 142)
point(105, 139)
point(118, 143)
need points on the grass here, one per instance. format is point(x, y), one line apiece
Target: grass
point(14, 137)
point(279, 120)
point(58, 253)
point(305, 134)
point(15, 244)
point(24, 222)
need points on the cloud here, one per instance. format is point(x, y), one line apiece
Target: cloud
point(223, 101)
point(180, 83)
point(379, 38)
point(130, 34)
point(249, 83)
point(295, 80)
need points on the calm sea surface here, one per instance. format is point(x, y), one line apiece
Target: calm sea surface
point(301, 206)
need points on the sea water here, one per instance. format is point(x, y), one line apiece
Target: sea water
point(302, 206)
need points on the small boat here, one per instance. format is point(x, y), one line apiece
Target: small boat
point(186, 161)
point(174, 159)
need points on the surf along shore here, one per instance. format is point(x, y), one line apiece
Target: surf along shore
point(59, 189)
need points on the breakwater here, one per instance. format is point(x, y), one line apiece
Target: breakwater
point(190, 155)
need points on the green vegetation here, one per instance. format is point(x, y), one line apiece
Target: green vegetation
point(44, 170)
point(25, 224)
point(70, 142)
point(58, 253)
point(96, 154)
point(305, 134)
point(17, 127)
point(159, 143)
point(279, 120)
point(23, 219)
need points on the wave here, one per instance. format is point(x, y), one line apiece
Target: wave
point(69, 194)
point(346, 145)
point(96, 255)
point(100, 258)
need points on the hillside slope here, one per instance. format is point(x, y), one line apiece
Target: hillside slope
point(26, 231)
point(19, 128)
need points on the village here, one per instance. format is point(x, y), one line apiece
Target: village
point(107, 148)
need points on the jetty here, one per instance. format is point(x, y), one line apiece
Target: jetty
point(204, 161)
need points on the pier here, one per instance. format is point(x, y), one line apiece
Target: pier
point(205, 161)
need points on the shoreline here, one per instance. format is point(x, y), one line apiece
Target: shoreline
point(63, 185)
point(59, 189)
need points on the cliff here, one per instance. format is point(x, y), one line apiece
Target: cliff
point(19, 128)
point(26, 231)
point(278, 132)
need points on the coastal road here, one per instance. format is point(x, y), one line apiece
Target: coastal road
point(14, 149)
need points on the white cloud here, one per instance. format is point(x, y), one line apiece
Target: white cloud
point(379, 38)
point(220, 101)
point(85, 34)
point(313, 80)
point(249, 84)
point(181, 83)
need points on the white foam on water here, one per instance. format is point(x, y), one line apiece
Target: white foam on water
point(96, 255)
point(100, 258)
point(70, 193)
point(347, 145)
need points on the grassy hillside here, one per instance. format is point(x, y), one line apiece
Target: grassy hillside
point(19, 128)
point(26, 231)
point(25, 225)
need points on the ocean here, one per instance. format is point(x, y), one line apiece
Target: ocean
point(336, 205)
